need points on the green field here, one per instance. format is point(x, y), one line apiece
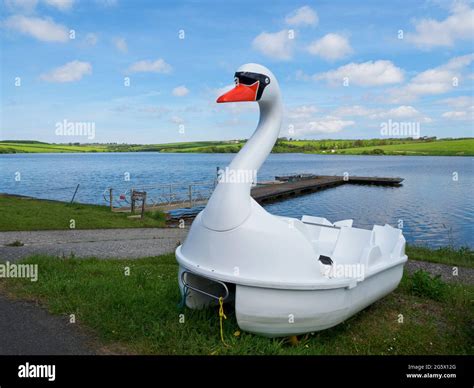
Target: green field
point(421, 147)
point(139, 313)
point(23, 213)
point(39, 147)
point(463, 147)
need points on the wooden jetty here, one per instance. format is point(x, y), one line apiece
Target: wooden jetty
point(290, 187)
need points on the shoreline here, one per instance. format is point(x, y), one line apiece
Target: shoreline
point(225, 153)
point(367, 147)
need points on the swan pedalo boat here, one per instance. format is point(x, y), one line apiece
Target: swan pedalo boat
point(286, 276)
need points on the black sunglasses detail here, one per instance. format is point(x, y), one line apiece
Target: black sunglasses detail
point(247, 78)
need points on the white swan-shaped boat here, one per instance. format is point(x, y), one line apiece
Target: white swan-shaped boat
point(286, 276)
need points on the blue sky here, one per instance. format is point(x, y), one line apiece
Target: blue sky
point(345, 68)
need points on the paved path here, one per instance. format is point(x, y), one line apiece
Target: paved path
point(27, 329)
point(101, 243)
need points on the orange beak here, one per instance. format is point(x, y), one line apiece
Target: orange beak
point(240, 93)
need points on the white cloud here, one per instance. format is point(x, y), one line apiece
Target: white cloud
point(300, 75)
point(355, 110)
point(327, 124)
point(70, 72)
point(276, 45)
point(433, 81)
point(62, 5)
point(431, 33)
point(180, 91)
point(306, 120)
point(459, 102)
point(364, 74)
point(331, 47)
point(21, 5)
point(301, 112)
point(401, 112)
point(304, 16)
point(460, 115)
point(177, 120)
point(42, 29)
point(158, 66)
point(121, 45)
point(454, 114)
point(91, 39)
point(27, 6)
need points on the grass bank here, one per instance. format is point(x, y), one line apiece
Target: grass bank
point(23, 213)
point(462, 256)
point(392, 146)
point(140, 312)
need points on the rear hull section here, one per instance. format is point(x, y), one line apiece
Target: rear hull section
point(278, 312)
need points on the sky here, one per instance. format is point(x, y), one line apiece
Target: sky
point(99, 71)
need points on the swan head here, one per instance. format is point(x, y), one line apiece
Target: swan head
point(253, 82)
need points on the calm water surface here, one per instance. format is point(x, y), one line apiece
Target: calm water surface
point(435, 209)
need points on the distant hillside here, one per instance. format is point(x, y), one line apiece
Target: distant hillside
point(407, 146)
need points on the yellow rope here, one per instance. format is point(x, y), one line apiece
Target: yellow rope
point(222, 315)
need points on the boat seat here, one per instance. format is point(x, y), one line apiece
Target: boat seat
point(386, 237)
point(350, 245)
point(345, 223)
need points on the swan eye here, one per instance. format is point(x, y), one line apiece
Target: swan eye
point(267, 80)
point(236, 80)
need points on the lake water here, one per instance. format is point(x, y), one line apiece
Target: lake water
point(435, 209)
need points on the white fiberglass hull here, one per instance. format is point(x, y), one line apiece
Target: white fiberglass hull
point(279, 312)
point(290, 276)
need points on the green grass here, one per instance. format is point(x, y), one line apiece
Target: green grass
point(446, 255)
point(389, 146)
point(139, 313)
point(464, 147)
point(22, 213)
point(20, 147)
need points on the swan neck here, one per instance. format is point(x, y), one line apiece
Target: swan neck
point(231, 204)
point(256, 150)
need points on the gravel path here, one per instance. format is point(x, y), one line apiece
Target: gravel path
point(464, 274)
point(143, 242)
point(101, 243)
